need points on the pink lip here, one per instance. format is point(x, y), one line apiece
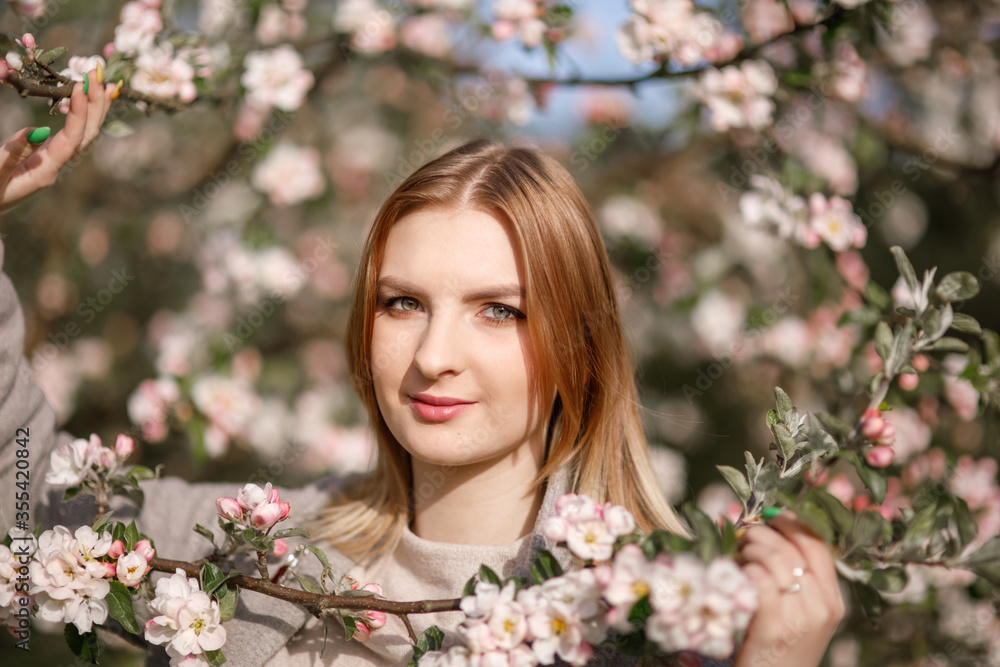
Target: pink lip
point(438, 408)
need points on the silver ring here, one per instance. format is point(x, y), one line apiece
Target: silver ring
point(796, 585)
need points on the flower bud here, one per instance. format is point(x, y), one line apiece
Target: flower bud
point(109, 50)
point(266, 515)
point(145, 549)
point(362, 633)
point(28, 41)
point(110, 569)
point(879, 456)
point(373, 587)
point(921, 363)
point(124, 446)
point(106, 458)
point(117, 549)
point(872, 423)
point(909, 381)
point(280, 547)
point(15, 61)
point(229, 509)
point(376, 619)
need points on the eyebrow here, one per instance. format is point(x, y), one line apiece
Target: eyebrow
point(485, 294)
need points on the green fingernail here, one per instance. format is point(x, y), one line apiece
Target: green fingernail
point(771, 512)
point(38, 135)
point(86, 83)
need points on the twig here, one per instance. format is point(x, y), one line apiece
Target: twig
point(262, 565)
point(315, 601)
point(28, 88)
point(409, 628)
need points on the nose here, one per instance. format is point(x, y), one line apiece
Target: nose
point(439, 348)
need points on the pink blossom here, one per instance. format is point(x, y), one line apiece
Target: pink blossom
point(738, 96)
point(879, 456)
point(372, 28)
point(766, 19)
point(277, 24)
point(124, 446)
point(427, 34)
point(290, 175)
point(361, 632)
point(145, 549)
point(375, 619)
point(117, 549)
point(32, 8)
point(229, 509)
point(836, 223)
point(280, 547)
point(265, 515)
point(163, 75)
point(876, 428)
point(131, 568)
point(841, 488)
point(139, 24)
point(852, 267)
point(629, 583)
point(276, 78)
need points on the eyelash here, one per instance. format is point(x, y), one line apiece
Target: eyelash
point(493, 321)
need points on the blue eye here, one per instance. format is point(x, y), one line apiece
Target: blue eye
point(406, 303)
point(503, 313)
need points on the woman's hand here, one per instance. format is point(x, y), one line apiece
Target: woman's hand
point(800, 600)
point(27, 168)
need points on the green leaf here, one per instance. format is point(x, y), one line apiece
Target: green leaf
point(72, 492)
point(227, 596)
point(204, 532)
point(211, 577)
point(708, 543)
point(873, 479)
point(905, 268)
point(864, 316)
point(141, 472)
point(320, 554)
point(308, 584)
point(783, 402)
point(640, 612)
point(889, 579)
point(118, 531)
point(101, 520)
point(486, 574)
point(216, 657)
point(737, 482)
point(877, 296)
point(131, 536)
point(936, 321)
point(900, 350)
point(985, 561)
point(85, 646)
point(958, 286)
point(966, 324)
point(544, 567)
point(948, 344)
point(834, 424)
point(816, 519)
point(120, 607)
point(470, 587)
point(871, 602)
point(968, 530)
point(290, 532)
point(920, 529)
point(869, 530)
point(46, 57)
point(842, 518)
point(883, 340)
point(430, 639)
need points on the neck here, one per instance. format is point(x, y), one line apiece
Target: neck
point(484, 503)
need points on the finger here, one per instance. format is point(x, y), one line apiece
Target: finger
point(780, 563)
point(13, 153)
point(767, 588)
point(95, 109)
point(67, 141)
point(816, 553)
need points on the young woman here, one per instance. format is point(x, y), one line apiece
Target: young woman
point(486, 344)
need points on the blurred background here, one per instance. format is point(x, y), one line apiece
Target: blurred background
point(188, 279)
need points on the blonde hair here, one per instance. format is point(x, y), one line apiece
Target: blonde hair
point(574, 324)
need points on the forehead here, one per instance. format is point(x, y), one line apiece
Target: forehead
point(458, 247)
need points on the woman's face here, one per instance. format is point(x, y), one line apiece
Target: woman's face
point(450, 328)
